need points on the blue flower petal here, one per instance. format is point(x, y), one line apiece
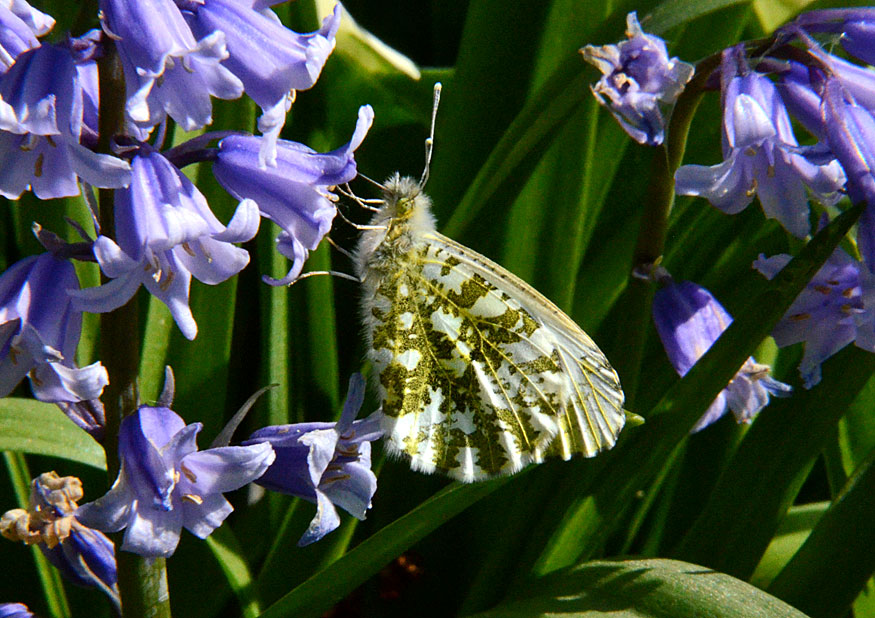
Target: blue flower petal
point(326, 520)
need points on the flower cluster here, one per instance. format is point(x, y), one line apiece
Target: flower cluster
point(761, 154)
point(763, 90)
point(176, 55)
point(832, 99)
point(159, 232)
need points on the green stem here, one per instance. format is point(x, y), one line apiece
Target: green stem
point(652, 232)
point(142, 584)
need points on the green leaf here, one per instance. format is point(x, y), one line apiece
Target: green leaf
point(673, 13)
point(765, 474)
point(153, 356)
point(31, 426)
point(773, 13)
point(856, 430)
point(521, 144)
point(317, 594)
point(229, 555)
point(836, 560)
point(275, 328)
point(653, 588)
point(794, 529)
point(496, 62)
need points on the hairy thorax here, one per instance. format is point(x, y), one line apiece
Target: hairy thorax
point(397, 227)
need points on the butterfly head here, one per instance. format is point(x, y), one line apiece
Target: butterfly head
point(402, 196)
point(405, 206)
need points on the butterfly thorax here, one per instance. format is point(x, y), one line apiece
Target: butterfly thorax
point(396, 229)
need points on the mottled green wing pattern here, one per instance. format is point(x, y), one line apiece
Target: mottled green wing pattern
point(480, 374)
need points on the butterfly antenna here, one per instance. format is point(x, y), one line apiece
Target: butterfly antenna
point(359, 226)
point(429, 142)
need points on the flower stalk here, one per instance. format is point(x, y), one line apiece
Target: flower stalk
point(142, 582)
point(653, 228)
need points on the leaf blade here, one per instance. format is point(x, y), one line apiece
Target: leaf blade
point(31, 426)
point(651, 588)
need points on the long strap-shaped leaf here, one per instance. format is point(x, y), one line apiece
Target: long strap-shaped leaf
point(834, 563)
point(643, 589)
point(763, 477)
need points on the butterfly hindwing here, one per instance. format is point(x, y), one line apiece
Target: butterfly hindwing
point(591, 415)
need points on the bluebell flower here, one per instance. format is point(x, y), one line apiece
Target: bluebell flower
point(804, 100)
point(167, 71)
point(166, 484)
point(39, 332)
point(20, 25)
point(802, 87)
point(42, 103)
point(85, 50)
point(850, 133)
point(15, 38)
point(689, 320)
point(761, 155)
point(83, 555)
point(326, 463)
point(272, 61)
point(638, 78)
point(830, 313)
point(15, 610)
point(88, 414)
point(856, 27)
point(800, 99)
point(40, 23)
point(296, 194)
point(165, 234)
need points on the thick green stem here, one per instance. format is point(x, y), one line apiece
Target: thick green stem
point(142, 584)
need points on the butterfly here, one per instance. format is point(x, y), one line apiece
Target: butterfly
point(478, 373)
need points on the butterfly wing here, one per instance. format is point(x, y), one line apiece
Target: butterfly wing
point(591, 412)
point(480, 374)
